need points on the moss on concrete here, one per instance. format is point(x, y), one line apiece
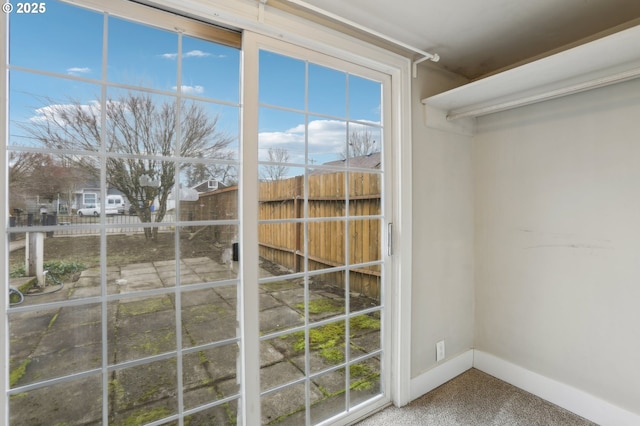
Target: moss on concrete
point(145, 306)
point(17, 373)
point(146, 416)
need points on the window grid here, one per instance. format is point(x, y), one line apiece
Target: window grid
point(103, 229)
point(308, 273)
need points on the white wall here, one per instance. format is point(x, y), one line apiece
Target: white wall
point(557, 244)
point(442, 257)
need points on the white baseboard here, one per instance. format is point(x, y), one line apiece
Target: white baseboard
point(567, 397)
point(441, 374)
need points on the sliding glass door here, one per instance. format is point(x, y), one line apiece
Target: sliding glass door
point(321, 213)
point(188, 246)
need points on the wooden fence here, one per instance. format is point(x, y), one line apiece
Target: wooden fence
point(331, 239)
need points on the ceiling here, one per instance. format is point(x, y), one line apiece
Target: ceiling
point(477, 37)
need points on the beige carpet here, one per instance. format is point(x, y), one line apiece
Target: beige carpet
point(476, 398)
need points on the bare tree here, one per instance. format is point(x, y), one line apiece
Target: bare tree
point(140, 129)
point(361, 143)
point(277, 171)
point(20, 171)
point(38, 175)
point(197, 173)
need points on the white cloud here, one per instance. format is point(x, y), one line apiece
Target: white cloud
point(190, 54)
point(196, 54)
point(58, 112)
point(327, 141)
point(190, 90)
point(78, 70)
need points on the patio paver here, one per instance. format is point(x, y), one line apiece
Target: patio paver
point(66, 340)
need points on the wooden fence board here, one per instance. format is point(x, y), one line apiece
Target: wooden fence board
point(282, 243)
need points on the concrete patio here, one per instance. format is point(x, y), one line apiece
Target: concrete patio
point(49, 344)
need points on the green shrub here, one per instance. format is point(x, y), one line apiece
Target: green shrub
point(57, 268)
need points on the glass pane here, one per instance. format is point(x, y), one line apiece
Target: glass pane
point(208, 198)
point(334, 403)
point(203, 373)
point(365, 334)
point(364, 379)
point(365, 144)
point(276, 370)
point(280, 198)
point(287, 406)
point(326, 244)
point(48, 183)
point(210, 70)
point(365, 286)
point(142, 260)
point(327, 142)
point(59, 404)
point(142, 56)
point(144, 393)
point(326, 295)
point(282, 81)
point(279, 181)
point(365, 99)
point(365, 241)
point(209, 131)
point(326, 193)
point(327, 346)
point(207, 317)
point(140, 123)
point(327, 91)
point(36, 38)
point(54, 343)
point(281, 246)
point(280, 349)
point(365, 190)
point(281, 136)
point(208, 253)
point(277, 301)
point(47, 267)
point(53, 113)
point(320, 207)
point(140, 327)
point(223, 415)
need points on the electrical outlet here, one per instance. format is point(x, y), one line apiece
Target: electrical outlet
point(440, 351)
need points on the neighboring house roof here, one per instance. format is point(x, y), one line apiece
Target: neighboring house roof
point(205, 187)
point(369, 161)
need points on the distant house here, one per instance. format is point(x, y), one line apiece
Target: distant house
point(88, 194)
point(208, 186)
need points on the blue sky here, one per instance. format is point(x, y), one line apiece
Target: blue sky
point(68, 41)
